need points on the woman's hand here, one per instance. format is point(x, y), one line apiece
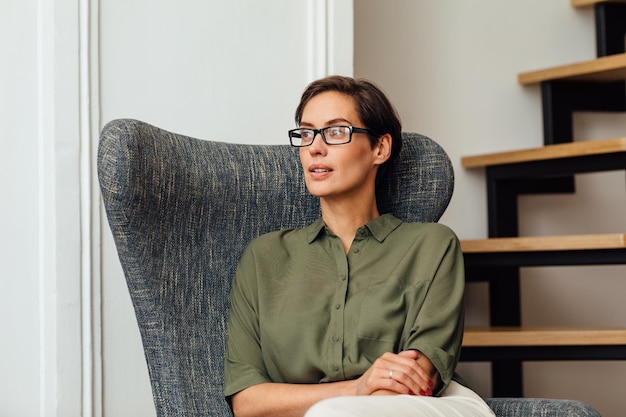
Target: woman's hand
point(413, 373)
point(408, 372)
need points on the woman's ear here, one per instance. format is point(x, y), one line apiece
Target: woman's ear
point(383, 149)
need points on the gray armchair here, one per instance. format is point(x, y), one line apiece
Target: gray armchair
point(182, 210)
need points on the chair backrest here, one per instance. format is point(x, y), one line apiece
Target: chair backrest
point(182, 210)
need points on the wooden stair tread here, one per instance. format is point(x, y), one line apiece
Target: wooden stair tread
point(537, 336)
point(607, 68)
point(559, 151)
point(545, 243)
point(588, 3)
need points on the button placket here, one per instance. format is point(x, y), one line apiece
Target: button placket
point(337, 311)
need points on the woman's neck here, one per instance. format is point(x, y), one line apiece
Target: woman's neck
point(343, 219)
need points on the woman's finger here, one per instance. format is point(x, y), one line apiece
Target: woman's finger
point(404, 369)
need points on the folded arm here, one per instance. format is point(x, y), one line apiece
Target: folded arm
point(412, 374)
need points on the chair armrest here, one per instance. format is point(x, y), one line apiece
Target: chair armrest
point(539, 407)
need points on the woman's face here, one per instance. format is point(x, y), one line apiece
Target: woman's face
point(338, 171)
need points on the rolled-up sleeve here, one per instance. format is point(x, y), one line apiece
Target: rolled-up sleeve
point(243, 365)
point(437, 325)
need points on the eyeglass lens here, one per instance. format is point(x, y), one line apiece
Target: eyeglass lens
point(332, 135)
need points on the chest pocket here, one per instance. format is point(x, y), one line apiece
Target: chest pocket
point(389, 311)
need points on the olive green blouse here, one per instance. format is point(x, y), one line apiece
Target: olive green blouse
point(302, 311)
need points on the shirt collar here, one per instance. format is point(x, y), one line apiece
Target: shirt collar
point(382, 226)
point(314, 230)
point(379, 228)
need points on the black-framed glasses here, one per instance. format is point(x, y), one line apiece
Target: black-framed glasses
point(331, 135)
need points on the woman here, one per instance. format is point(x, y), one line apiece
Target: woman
point(359, 313)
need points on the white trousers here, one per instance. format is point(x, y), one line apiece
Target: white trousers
point(455, 401)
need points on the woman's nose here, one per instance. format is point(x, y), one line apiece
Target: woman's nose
point(318, 146)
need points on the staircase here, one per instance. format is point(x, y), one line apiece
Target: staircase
point(595, 85)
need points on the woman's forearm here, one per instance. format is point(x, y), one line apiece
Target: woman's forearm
point(285, 400)
point(414, 374)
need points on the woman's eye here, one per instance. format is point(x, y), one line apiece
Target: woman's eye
point(336, 131)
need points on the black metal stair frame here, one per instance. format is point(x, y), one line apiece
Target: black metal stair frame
point(610, 28)
point(501, 270)
point(513, 354)
point(560, 99)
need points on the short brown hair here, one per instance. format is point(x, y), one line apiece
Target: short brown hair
point(373, 107)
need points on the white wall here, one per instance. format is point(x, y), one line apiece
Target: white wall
point(219, 70)
point(451, 69)
point(41, 263)
point(19, 355)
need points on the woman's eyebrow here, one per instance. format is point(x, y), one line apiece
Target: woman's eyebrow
point(335, 121)
point(332, 122)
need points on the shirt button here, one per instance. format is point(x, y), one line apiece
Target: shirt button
point(335, 368)
point(337, 306)
point(335, 338)
point(356, 250)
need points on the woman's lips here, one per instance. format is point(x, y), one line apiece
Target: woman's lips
point(319, 170)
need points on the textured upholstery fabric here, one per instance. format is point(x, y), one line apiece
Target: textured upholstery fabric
point(540, 407)
point(182, 210)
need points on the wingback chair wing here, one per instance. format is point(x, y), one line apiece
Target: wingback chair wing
point(182, 210)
